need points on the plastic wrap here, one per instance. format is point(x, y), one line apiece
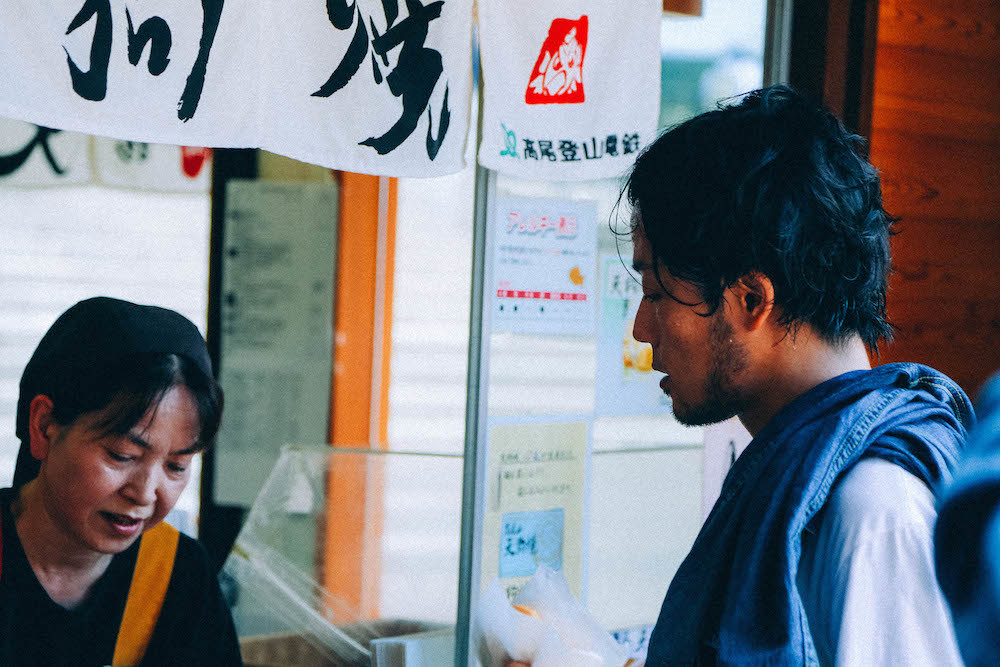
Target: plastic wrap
point(545, 626)
point(283, 615)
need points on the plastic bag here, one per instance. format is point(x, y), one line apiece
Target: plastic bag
point(553, 630)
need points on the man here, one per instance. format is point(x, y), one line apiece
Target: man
point(763, 250)
point(967, 536)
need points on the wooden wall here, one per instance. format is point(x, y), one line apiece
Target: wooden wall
point(936, 139)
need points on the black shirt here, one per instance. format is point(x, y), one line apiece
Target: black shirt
point(194, 626)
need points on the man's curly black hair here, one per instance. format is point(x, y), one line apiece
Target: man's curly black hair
point(774, 185)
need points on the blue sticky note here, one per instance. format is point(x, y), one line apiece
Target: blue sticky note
point(529, 538)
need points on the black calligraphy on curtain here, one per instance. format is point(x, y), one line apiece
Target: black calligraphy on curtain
point(93, 84)
point(413, 78)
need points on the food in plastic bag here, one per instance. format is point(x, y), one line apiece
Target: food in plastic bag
point(545, 626)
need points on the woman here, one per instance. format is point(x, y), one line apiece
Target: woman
point(114, 404)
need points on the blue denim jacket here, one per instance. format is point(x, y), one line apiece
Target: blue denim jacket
point(734, 599)
point(967, 537)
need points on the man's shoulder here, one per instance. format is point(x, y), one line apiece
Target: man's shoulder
point(877, 496)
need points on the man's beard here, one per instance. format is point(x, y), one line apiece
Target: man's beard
point(722, 398)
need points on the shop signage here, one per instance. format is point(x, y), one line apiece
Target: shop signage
point(370, 86)
point(32, 156)
point(40, 156)
point(543, 271)
point(571, 89)
point(156, 167)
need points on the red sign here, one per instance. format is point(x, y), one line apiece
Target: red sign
point(557, 77)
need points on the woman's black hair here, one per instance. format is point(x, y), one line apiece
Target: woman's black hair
point(119, 359)
point(132, 388)
point(774, 185)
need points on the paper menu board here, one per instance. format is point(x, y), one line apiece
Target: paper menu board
point(277, 327)
point(626, 382)
point(536, 501)
point(543, 265)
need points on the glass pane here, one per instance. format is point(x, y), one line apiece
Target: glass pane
point(709, 58)
point(293, 605)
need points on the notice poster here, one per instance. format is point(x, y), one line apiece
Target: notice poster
point(277, 327)
point(536, 501)
point(626, 381)
point(544, 266)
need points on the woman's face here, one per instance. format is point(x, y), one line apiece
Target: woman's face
point(102, 491)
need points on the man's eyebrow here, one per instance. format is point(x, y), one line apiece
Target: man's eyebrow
point(141, 442)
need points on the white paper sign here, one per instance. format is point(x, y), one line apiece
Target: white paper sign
point(544, 265)
point(571, 88)
point(39, 156)
point(277, 327)
point(158, 167)
point(366, 86)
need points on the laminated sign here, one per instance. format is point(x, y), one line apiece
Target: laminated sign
point(571, 89)
point(371, 86)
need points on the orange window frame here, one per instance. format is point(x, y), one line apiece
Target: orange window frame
point(351, 553)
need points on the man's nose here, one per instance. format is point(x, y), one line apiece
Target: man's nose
point(640, 326)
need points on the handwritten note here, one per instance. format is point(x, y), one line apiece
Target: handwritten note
point(535, 501)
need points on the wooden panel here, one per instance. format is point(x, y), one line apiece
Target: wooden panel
point(910, 71)
point(924, 245)
point(931, 177)
point(922, 94)
point(964, 27)
point(972, 323)
point(937, 117)
point(936, 141)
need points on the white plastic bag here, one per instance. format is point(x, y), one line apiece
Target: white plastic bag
point(563, 634)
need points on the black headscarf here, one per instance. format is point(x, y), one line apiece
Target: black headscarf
point(87, 339)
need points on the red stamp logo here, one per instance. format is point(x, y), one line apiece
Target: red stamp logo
point(557, 77)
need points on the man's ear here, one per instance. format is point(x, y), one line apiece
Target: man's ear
point(754, 294)
point(42, 427)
